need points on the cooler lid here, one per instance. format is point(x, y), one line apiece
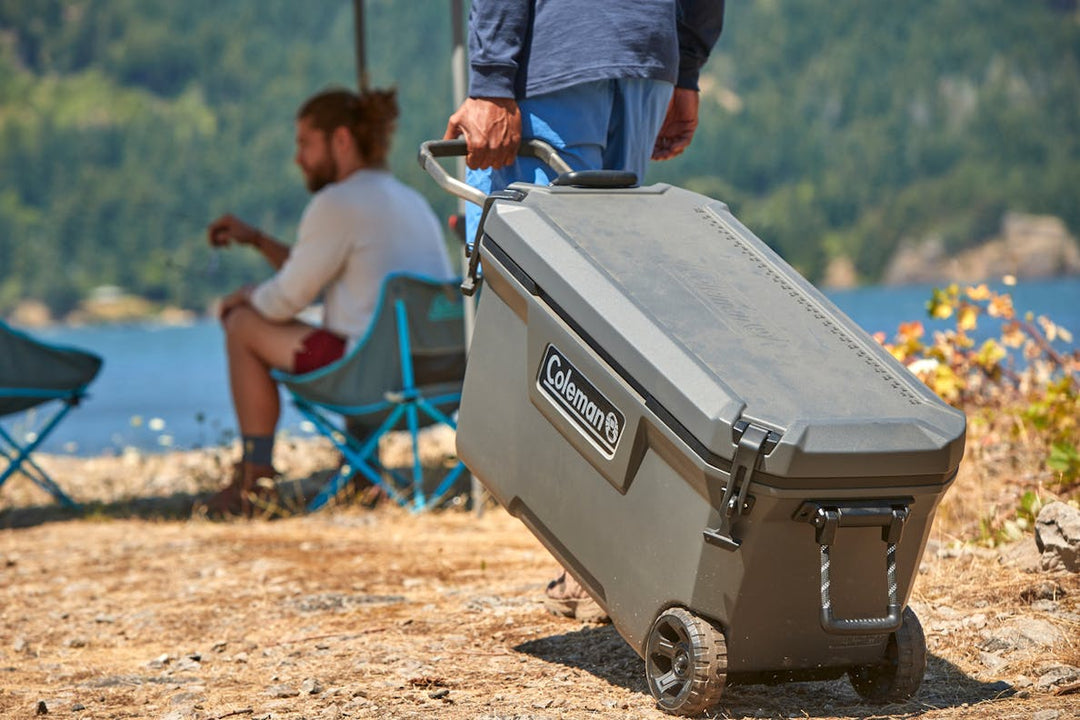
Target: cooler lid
point(714, 327)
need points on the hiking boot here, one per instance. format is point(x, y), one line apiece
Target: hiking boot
point(565, 597)
point(251, 490)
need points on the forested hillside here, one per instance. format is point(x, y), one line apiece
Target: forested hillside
point(833, 128)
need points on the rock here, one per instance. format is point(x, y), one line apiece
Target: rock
point(1056, 675)
point(1043, 591)
point(310, 686)
point(1028, 246)
point(1022, 634)
point(282, 691)
point(160, 661)
point(1057, 535)
point(840, 274)
point(42, 708)
point(1022, 555)
point(187, 664)
point(992, 661)
point(31, 314)
point(1046, 715)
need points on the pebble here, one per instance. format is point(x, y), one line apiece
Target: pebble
point(160, 661)
point(1046, 715)
point(993, 661)
point(188, 664)
point(1046, 590)
point(1057, 675)
point(282, 691)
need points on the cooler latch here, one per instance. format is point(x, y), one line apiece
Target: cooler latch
point(473, 276)
point(754, 442)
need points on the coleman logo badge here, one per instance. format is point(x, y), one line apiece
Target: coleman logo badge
point(579, 399)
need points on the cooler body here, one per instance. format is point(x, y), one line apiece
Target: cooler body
point(670, 408)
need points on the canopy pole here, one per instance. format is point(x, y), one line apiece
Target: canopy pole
point(458, 66)
point(361, 59)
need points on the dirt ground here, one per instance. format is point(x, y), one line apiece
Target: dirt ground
point(132, 609)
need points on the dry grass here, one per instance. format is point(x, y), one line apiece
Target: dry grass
point(390, 615)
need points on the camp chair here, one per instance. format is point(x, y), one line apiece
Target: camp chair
point(33, 373)
point(405, 373)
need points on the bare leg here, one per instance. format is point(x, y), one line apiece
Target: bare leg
point(254, 346)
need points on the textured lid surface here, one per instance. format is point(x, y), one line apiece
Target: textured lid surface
point(715, 326)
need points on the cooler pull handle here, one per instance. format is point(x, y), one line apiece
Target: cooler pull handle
point(826, 519)
point(431, 149)
point(597, 179)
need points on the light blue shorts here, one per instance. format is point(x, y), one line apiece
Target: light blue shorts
point(606, 124)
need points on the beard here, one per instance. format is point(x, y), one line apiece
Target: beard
point(319, 176)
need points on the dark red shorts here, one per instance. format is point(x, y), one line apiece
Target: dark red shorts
point(320, 348)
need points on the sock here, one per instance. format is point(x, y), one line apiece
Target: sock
point(258, 449)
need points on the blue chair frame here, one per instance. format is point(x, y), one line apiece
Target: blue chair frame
point(34, 373)
point(19, 456)
point(399, 397)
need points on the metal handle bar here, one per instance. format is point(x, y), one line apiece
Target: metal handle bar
point(431, 149)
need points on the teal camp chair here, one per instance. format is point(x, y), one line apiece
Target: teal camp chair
point(34, 373)
point(406, 373)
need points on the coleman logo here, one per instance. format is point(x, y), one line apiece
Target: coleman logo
point(586, 406)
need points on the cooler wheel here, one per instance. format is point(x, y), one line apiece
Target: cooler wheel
point(898, 676)
point(685, 662)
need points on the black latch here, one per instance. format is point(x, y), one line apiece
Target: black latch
point(754, 442)
point(472, 278)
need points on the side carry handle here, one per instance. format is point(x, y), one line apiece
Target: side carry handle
point(432, 149)
point(826, 518)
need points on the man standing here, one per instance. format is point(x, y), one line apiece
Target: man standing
point(360, 225)
point(609, 84)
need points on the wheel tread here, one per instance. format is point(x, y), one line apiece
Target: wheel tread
point(895, 679)
point(709, 672)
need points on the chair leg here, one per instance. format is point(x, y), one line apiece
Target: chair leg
point(357, 457)
point(417, 467)
point(20, 460)
point(445, 486)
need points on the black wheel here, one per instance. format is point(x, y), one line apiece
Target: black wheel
point(899, 674)
point(685, 662)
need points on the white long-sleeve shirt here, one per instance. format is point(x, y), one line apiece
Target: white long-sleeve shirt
point(352, 235)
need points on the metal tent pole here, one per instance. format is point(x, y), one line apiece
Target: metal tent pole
point(458, 65)
point(361, 59)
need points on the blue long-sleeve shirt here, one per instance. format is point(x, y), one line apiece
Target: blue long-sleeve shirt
point(524, 48)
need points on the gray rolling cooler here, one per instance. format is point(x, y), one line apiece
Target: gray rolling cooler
point(741, 476)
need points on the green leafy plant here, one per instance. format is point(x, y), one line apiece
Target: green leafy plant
point(1016, 387)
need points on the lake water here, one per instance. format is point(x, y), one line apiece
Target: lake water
point(165, 387)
